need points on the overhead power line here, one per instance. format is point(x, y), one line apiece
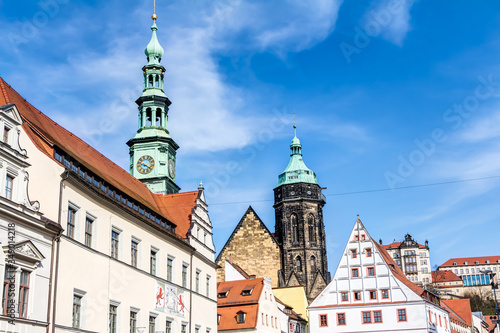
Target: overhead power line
point(388, 189)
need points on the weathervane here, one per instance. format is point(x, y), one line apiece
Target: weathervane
point(154, 11)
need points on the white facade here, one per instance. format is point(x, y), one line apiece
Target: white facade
point(26, 238)
point(369, 293)
point(113, 269)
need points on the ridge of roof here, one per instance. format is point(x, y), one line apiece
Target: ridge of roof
point(470, 261)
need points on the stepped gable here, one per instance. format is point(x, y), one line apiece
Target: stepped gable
point(47, 134)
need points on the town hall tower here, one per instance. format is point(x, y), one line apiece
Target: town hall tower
point(152, 150)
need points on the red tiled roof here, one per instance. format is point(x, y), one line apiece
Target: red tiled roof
point(491, 325)
point(454, 317)
point(396, 245)
point(471, 261)
point(398, 273)
point(461, 307)
point(178, 207)
point(228, 317)
point(45, 133)
point(234, 296)
point(444, 276)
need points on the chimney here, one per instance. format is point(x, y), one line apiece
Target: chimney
point(230, 259)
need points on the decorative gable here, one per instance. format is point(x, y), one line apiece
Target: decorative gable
point(26, 254)
point(365, 275)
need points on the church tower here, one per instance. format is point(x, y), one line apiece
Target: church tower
point(298, 204)
point(152, 150)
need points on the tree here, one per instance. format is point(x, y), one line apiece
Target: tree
point(481, 300)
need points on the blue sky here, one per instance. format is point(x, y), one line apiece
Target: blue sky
point(387, 94)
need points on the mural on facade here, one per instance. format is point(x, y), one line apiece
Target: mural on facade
point(169, 299)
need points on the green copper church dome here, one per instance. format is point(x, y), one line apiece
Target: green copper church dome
point(296, 171)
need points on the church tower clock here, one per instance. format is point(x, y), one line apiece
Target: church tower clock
point(300, 232)
point(152, 150)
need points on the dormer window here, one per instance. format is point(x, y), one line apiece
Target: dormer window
point(247, 291)
point(240, 317)
point(218, 319)
point(487, 261)
point(223, 292)
point(466, 263)
point(477, 262)
point(454, 264)
point(222, 295)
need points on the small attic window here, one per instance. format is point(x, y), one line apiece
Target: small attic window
point(487, 261)
point(222, 294)
point(477, 262)
point(466, 263)
point(454, 264)
point(247, 291)
point(218, 319)
point(240, 317)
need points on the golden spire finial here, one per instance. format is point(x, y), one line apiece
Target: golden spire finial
point(154, 11)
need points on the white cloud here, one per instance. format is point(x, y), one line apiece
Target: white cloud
point(390, 19)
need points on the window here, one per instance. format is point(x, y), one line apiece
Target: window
point(340, 319)
point(312, 229)
point(168, 326)
point(363, 237)
point(114, 243)
point(197, 283)
point(70, 229)
point(299, 264)
point(88, 231)
point(295, 228)
point(133, 322)
point(377, 316)
point(133, 253)
point(77, 309)
point(367, 317)
point(402, 315)
point(240, 317)
point(9, 180)
point(112, 318)
point(313, 261)
point(152, 324)
point(6, 131)
point(184, 275)
point(356, 238)
point(152, 262)
point(345, 297)
point(371, 271)
point(323, 320)
point(24, 285)
point(183, 328)
point(385, 293)
point(373, 294)
point(368, 253)
point(208, 286)
point(354, 254)
point(169, 269)
point(355, 272)
point(357, 296)
point(8, 288)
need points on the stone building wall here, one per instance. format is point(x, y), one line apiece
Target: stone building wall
point(253, 248)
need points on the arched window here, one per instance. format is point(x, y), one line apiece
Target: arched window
point(295, 228)
point(157, 81)
point(150, 81)
point(299, 264)
point(312, 229)
point(158, 117)
point(148, 117)
point(313, 261)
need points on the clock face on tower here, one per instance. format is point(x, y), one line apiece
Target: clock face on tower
point(171, 168)
point(145, 164)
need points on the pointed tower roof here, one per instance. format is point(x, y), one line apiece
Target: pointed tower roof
point(153, 50)
point(296, 171)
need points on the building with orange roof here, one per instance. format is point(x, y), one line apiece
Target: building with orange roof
point(247, 306)
point(473, 271)
point(447, 283)
point(370, 293)
point(122, 252)
point(413, 259)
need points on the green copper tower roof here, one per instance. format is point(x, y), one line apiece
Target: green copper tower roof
point(296, 171)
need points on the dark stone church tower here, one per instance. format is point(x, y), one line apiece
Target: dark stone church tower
point(298, 204)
